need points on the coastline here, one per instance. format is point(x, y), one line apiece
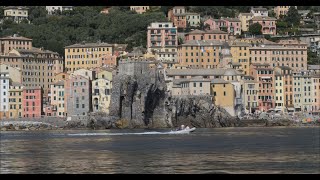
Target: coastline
point(16, 125)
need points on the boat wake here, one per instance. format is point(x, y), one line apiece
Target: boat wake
point(141, 133)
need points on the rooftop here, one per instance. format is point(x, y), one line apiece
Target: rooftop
point(219, 81)
point(201, 72)
point(86, 45)
point(15, 37)
point(313, 67)
point(202, 43)
point(263, 18)
point(231, 19)
point(259, 9)
point(16, 7)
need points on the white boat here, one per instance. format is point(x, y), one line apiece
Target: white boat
point(183, 131)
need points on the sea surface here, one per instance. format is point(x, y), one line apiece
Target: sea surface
point(219, 150)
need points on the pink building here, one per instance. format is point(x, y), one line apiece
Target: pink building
point(263, 74)
point(215, 24)
point(32, 102)
point(268, 24)
point(233, 26)
point(207, 35)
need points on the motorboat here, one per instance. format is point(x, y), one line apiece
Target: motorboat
point(184, 131)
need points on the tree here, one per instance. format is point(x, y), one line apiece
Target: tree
point(255, 29)
point(312, 58)
point(293, 17)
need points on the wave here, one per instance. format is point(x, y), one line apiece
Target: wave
point(122, 134)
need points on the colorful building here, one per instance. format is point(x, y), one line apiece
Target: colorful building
point(162, 40)
point(201, 54)
point(58, 103)
point(177, 15)
point(86, 55)
point(193, 19)
point(233, 26)
point(15, 73)
point(250, 95)
point(216, 24)
point(78, 96)
point(101, 95)
point(283, 88)
point(281, 10)
point(223, 95)
point(245, 18)
point(268, 24)
point(241, 54)
point(315, 83)
point(263, 73)
point(286, 53)
point(302, 91)
point(15, 100)
point(4, 94)
point(90, 74)
point(32, 102)
point(207, 35)
point(193, 86)
point(9, 43)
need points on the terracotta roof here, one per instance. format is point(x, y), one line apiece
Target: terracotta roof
point(15, 37)
point(86, 45)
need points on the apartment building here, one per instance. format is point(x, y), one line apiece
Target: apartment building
point(52, 9)
point(281, 10)
point(86, 55)
point(245, 18)
point(207, 35)
point(101, 95)
point(58, 103)
point(15, 100)
point(201, 54)
point(259, 11)
point(193, 19)
point(302, 91)
point(9, 43)
point(223, 95)
point(16, 13)
point(4, 94)
point(241, 54)
point(139, 9)
point(250, 95)
point(177, 15)
point(268, 24)
point(32, 102)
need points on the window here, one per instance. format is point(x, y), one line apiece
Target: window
point(194, 85)
point(224, 93)
point(200, 84)
point(83, 106)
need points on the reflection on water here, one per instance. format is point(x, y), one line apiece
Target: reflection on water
point(227, 150)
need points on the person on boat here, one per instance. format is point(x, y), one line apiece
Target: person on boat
point(187, 128)
point(182, 127)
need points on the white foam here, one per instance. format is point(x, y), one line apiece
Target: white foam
point(122, 134)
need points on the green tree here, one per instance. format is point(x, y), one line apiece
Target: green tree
point(292, 18)
point(255, 29)
point(312, 58)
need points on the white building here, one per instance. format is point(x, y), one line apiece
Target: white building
point(16, 13)
point(302, 91)
point(101, 95)
point(4, 94)
point(51, 9)
point(259, 11)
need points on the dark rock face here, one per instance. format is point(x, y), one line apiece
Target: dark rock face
point(139, 99)
point(198, 111)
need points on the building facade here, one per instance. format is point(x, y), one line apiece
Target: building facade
point(250, 92)
point(139, 9)
point(52, 9)
point(15, 100)
point(32, 102)
point(58, 103)
point(259, 11)
point(207, 35)
point(9, 43)
point(245, 18)
point(101, 95)
point(201, 54)
point(16, 13)
point(4, 94)
point(78, 96)
point(241, 54)
point(302, 91)
point(268, 24)
point(86, 55)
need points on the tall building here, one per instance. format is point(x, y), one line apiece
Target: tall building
point(101, 95)
point(38, 66)
point(52, 9)
point(4, 94)
point(315, 84)
point(78, 96)
point(285, 53)
point(245, 18)
point(16, 13)
point(281, 10)
point(223, 95)
point(32, 102)
point(201, 54)
point(15, 100)
point(241, 54)
point(58, 103)
point(263, 73)
point(86, 55)
point(162, 38)
point(283, 85)
point(250, 92)
point(9, 43)
point(259, 11)
point(302, 91)
point(193, 19)
point(177, 15)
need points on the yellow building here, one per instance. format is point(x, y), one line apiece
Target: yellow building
point(101, 95)
point(244, 18)
point(86, 55)
point(200, 53)
point(16, 13)
point(241, 54)
point(57, 98)
point(15, 100)
point(223, 95)
point(14, 72)
point(105, 73)
point(283, 88)
point(281, 10)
